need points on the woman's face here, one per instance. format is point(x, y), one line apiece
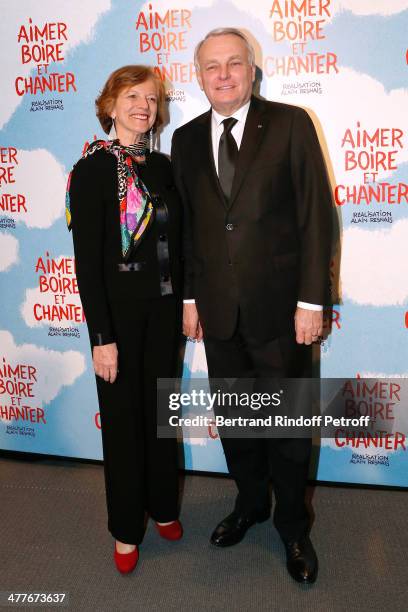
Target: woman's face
point(135, 111)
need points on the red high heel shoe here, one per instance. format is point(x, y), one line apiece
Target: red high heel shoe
point(172, 531)
point(126, 562)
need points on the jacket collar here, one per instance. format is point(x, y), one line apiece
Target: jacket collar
point(253, 133)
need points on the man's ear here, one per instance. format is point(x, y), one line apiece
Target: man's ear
point(199, 79)
point(253, 73)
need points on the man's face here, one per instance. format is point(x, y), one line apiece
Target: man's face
point(225, 75)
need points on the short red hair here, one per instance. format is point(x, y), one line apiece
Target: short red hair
point(121, 79)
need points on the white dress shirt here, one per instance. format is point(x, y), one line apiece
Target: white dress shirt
point(237, 132)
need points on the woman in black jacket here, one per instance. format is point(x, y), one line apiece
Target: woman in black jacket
point(124, 212)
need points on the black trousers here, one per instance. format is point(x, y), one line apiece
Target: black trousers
point(254, 462)
point(141, 472)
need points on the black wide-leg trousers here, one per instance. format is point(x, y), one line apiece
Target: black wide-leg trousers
point(253, 463)
point(141, 473)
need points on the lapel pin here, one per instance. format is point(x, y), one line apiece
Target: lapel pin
point(259, 126)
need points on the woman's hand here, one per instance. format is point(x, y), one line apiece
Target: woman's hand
point(105, 361)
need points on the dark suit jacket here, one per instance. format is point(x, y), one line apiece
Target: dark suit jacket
point(97, 240)
point(269, 245)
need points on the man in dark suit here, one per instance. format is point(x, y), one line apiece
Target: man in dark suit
point(257, 249)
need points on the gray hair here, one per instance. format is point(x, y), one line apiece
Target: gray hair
point(224, 32)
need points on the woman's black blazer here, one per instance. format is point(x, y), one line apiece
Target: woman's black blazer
point(103, 277)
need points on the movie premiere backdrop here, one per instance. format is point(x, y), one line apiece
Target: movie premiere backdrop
point(344, 61)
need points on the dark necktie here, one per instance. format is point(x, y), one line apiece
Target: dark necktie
point(227, 157)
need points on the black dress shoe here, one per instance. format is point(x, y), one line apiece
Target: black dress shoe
point(234, 527)
point(301, 560)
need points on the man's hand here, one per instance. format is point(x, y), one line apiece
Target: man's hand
point(105, 361)
point(308, 325)
point(191, 324)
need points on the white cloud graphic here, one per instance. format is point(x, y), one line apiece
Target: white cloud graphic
point(80, 18)
point(35, 296)
point(388, 111)
point(382, 375)
point(189, 432)
point(373, 7)
point(53, 369)
point(192, 107)
point(374, 265)
point(195, 359)
point(198, 361)
point(393, 420)
point(41, 180)
point(161, 6)
point(8, 251)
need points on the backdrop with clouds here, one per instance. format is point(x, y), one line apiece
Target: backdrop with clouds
point(344, 61)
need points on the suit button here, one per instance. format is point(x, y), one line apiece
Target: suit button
point(229, 227)
point(163, 238)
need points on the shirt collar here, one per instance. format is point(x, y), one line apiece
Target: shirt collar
point(239, 114)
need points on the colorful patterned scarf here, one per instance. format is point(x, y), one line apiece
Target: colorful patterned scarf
point(135, 204)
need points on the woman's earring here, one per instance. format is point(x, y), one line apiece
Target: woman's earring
point(112, 132)
point(151, 140)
